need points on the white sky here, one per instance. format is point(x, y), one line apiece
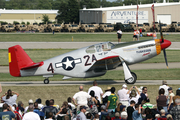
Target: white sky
point(111, 0)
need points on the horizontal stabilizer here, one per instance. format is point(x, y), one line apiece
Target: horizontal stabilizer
point(32, 66)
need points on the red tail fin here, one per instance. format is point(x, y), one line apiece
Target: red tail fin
point(18, 60)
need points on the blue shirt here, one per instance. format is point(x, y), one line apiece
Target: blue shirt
point(7, 115)
point(136, 115)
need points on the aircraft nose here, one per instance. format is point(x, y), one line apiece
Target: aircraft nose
point(165, 44)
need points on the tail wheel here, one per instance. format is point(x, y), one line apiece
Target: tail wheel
point(46, 81)
point(132, 80)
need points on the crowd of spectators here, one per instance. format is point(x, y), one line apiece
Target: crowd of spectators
point(124, 104)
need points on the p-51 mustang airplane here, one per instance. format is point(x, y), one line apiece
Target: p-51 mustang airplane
point(91, 61)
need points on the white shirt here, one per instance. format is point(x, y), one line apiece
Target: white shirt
point(26, 108)
point(172, 94)
point(40, 106)
point(31, 116)
point(97, 90)
point(165, 87)
point(81, 97)
point(11, 101)
point(108, 93)
point(133, 98)
point(72, 106)
point(122, 94)
point(81, 116)
point(119, 32)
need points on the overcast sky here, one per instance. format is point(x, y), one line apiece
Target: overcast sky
point(111, 0)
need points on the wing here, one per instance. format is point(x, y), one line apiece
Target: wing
point(106, 63)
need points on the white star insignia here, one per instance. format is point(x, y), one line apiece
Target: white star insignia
point(68, 63)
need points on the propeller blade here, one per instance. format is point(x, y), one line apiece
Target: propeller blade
point(161, 31)
point(164, 51)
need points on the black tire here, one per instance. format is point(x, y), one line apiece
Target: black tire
point(46, 81)
point(132, 80)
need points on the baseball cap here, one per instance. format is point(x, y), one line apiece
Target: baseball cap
point(83, 107)
point(123, 113)
point(117, 114)
point(164, 82)
point(157, 115)
point(169, 116)
point(121, 107)
point(170, 88)
point(31, 101)
point(162, 111)
point(124, 86)
point(108, 88)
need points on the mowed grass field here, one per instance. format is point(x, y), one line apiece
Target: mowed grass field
point(77, 37)
point(61, 93)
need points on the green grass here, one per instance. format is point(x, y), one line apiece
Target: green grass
point(61, 93)
point(38, 55)
point(153, 74)
point(76, 37)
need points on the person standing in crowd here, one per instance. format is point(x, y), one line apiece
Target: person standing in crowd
point(165, 87)
point(9, 98)
point(119, 35)
point(154, 35)
point(105, 95)
point(112, 101)
point(175, 111)
point(177, 96)
point(30, 103)
point(49, 108)
point(81, 115)
point(134, 36)
point(161, 100)
point(123, 95)
point(130, 109)
point(81, 97)
point(137, 113)
point(132, 95)
point(69, 100)
point(31, 115)
point(124, 115)
point(170, 98)
point(92, 103)
point(7, 113)
point(143, 95)
point(97, 90)
point(137, 34)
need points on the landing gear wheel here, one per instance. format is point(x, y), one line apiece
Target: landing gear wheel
point(132, 80)
point(46, 81)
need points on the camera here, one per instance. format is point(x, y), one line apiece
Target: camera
point(133, 86)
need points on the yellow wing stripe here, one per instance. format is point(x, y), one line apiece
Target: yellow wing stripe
point(9, 57)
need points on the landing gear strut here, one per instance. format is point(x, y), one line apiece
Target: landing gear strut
point(130, 77)
point(46, 81)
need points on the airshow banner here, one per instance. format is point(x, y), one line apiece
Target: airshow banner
point(127, 16)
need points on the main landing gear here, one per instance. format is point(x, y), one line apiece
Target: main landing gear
point(130, 77)
point(46, 81)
